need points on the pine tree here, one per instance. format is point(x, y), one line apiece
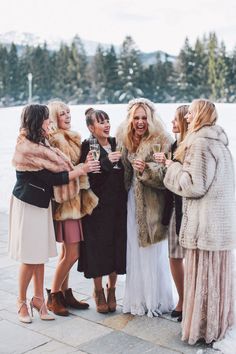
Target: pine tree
point(129, 71)
point(3, 74)
point(184, 73)
point(13, 73)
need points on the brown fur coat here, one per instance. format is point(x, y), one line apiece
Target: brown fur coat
point(149, 194)
point(76, 199)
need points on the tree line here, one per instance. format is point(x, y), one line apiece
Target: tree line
point(204, 69)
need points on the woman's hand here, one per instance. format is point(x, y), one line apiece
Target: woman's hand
point(90, 166)
point(138, 165)
point(168, 163)
point(159, 157)
point(89, 157)
point(114, 156)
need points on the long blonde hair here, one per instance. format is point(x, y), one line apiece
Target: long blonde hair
point(155, 127)
point(54, 108)
point(181, 112)
point(204, 114)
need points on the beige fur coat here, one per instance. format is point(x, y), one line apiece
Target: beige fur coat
point(205, 180)
point(149, 194)
point(75, 199)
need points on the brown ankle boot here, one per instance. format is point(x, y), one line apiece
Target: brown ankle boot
point(72, 302)
point(100, 300)
point(56, 302)
point(111, 299)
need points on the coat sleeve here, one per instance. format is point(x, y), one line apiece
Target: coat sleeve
point(53, 179)
point(194, 177)
point(153, 175)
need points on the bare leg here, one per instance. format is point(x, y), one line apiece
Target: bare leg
point(177, 270)
point(25, 275)
point(38, 298)
point(69, 256)
point(98, 283)
point(112, 280)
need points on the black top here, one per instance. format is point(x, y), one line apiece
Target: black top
point(104, 248)
point(35, 188)
point(173, 200)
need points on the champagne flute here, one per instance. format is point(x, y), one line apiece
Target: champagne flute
point(156, 148)
point(119, 149)
point(95, 149)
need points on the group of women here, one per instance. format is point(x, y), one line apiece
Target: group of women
point(123, 212)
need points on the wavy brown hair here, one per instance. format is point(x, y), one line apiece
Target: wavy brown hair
point(32, 118)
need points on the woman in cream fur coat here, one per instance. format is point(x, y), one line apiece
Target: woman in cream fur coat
point(204, 177)
point(148, 286)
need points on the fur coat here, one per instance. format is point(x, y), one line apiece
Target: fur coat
point(149, 193)
point(205, 180)
point(75, 199)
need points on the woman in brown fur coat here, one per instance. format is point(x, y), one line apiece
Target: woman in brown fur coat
point(75, 201)
point(148, 283)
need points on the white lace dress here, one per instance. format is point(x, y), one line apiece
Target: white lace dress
point(148, 287)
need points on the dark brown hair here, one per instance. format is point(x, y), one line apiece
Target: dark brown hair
point(32, 119)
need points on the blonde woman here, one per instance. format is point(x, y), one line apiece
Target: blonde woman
point(176, 252)
point(75, 201)
point(148, 286)
point(204, 177)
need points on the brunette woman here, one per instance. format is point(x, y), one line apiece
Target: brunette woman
point(31, 234)
point(104, 246)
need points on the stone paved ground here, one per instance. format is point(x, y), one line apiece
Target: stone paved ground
point(83, 331)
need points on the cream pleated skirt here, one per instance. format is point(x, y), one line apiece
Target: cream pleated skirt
point(31, 233)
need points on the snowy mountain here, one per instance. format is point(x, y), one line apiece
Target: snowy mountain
point(53, 43)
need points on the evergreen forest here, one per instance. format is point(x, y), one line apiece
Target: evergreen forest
point(204, 69)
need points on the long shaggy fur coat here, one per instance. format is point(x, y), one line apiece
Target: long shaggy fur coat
point(149, 193)
point(75, 199)
point(205, 180)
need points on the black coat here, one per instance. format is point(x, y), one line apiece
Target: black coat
point(104, 248)
point(35, 188)
point(173, 200)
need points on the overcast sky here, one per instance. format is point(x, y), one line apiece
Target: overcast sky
point(153, 24)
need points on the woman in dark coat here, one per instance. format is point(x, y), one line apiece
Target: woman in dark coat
point(104, 248)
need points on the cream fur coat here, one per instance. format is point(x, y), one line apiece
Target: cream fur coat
point(149, 194)
point(75, 199)
point(205, 180)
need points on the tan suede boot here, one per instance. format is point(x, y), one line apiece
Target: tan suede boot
point(111, 299)
point(100, 300)
point(56, 304)
point(73, 302)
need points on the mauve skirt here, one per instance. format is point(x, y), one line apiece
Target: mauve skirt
point(208, 295)
point(68, 231)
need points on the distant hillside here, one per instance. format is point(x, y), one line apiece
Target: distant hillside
point(53, 43)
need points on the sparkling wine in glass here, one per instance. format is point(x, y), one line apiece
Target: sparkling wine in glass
point(95, 149)
point(156, 148)
point(119, 149)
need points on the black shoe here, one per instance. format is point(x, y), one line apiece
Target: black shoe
point(179, 319)
point(176, 313)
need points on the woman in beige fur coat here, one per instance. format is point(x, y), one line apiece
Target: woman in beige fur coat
point(204, 177)
point(148, 283)
point(75, 201)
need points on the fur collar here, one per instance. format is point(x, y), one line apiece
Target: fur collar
point(29, 156)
